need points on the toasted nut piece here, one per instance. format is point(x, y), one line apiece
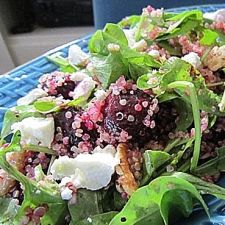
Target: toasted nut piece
point(6, 183)
point(127, 179)
point(16, 159)
point(215, 58)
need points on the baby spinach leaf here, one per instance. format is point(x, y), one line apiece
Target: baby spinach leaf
point(88, 204)
point(8, 210)
point(99, 219)
point(17, 114)
point(147, 201)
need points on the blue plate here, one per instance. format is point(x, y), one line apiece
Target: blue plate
point(22, 79)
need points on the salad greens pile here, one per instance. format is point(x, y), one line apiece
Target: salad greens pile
point(171, 176)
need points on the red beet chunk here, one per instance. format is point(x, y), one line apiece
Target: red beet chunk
point(65, 89)
point(132, 111)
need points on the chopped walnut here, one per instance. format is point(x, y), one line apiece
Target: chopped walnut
point(126, 179)
point(6, 182)
point(215, 58)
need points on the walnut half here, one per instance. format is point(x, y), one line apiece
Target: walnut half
point(126, 179)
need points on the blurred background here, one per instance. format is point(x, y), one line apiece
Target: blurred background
point(29, 28)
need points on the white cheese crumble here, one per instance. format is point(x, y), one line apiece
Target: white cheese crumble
point(193, 59)
point(66, 194)
point(154, 53)
point(219, 15)
point(100, 94)
point(84, 88)
point(36, 131)
point(76, 56)
point(32, 96)
point(90, 171)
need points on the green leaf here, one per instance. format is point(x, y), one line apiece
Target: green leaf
point(8, 210)
point(112, 33)
point(175, 70)
point(50, 106)
point(146, 203)
point(129, 21)
point(63, 63)
point(183, 23)
point(46, 106)
point(209, 37)
point(208, 100)
point(185, 116)
point(154, 159)
point(108, 68)
point(202, 186)
point(36, 192)
point(97, 44)
point(88, 204)
point(17, 114)
point(213, 166)
point(142, 82)
point(99, 219)
point(174, 51)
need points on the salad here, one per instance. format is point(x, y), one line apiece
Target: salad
point(132, 132)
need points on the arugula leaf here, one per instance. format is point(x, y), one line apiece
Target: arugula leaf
point(17, 114)
point(8, 210)
point(209, 37)
point(129, 21)
point(36, 193)
point(147, 202)
point(63, 63)
point(99, 219)
point(88, 204)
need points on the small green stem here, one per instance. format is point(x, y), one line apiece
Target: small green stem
point(171, 145)
point(196, 115)
point(35, 148)
point(138, 32)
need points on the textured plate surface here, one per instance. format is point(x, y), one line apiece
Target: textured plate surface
point(22, 79)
